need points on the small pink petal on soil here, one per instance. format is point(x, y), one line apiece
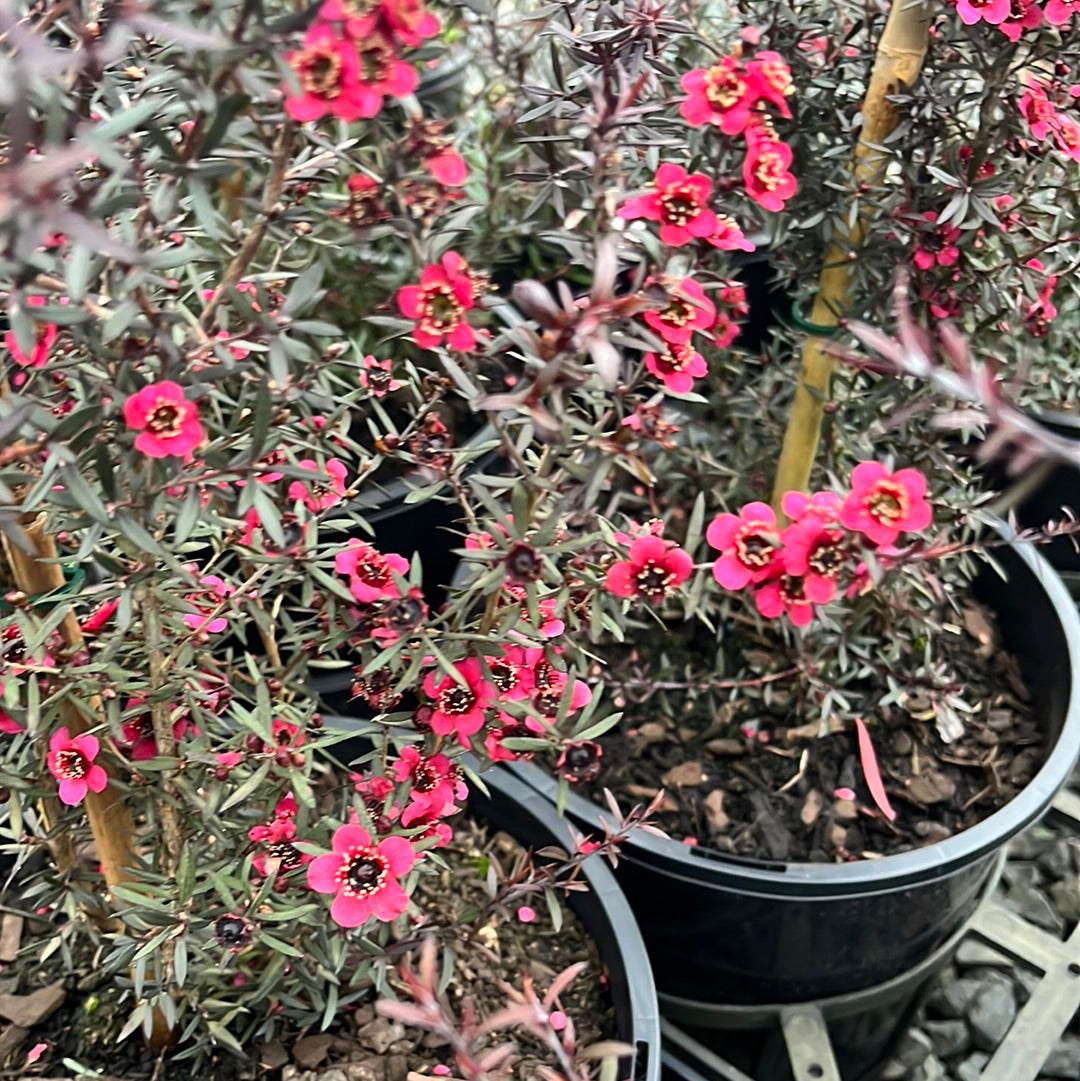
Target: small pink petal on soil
point(526, 914)
point(843, 793)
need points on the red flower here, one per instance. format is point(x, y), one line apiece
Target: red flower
point(511, 728)
point(653, 567)
point(328, 69)
point(168, 423)
point(936, 246)
point(729, 236)
point(678, 366)
point(435, 784)
point(1023, 15)
point(1059, 12)
point(1066, 134)
point(680, 203)
point(278, 854)
point(370, 573)
point(511, 674)
point(385, 74)
point(71, 762)
point(138, 732)
point(720, 95)
point(8, 725)
point(770, 79)
point(448, 167)
point(785, 594)
point(403, 20)
point(362, 876)
point(205, 602)
point(688, 309)
point(989, 11)
point(376, 376)
point(882, 505)
point(817, 556)
point(439, 304)
point(458, 706)
point(748, 543)
point(1038, 109)
point(326, 492)
point(765, 172)
point(578, 762)
point(824, 506)
point(44, 336)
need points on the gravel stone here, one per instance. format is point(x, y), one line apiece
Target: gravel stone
point(972, 1067)
point(991, 1014)
point(949, 1038)
point(952, 999)
point(1063, 1061)
point(1034, 906)
point(914, 1049)
point(1065, 896)
point(1022, 873)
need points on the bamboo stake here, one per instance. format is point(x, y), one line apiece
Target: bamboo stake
point(900, 56)
point(110, 822)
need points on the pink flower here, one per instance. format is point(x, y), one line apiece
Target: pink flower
point(1037, 108)
point(8, 725)
point(138, 732)
point(405, 21)
point(510, 728)
point(71, 762)
point(362, 876)
point(882, 505)
point(936, 246)
point(680, 203)
point(376, 376)
point(729, 236)
point(44, 337)
point(345, 78)
point(677, 367)
point(277, 854)
point(206, 602)
point(439, 304)
point(770, 79)
point(459, 704)
point(435, 784)
point(322, 494)
point(168, 423)
point(1023, 15)
point(448, 167)
point(511, 674)
point(653, 567)
point(765, 173)
point(1059, 12)
point(526, 914)
point(989, 11)
point(720, 95)
point(1066, 134)
point(370, 573)
point(785, 594)
point(817, 556)
point(825, 506)
point(748, 543)
point(688, 309)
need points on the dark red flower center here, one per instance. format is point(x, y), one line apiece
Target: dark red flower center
point(376, 59)
point(442, 309)
point(289, 855)
point(678, 313)
point(71, 764)
point(887, 503)
point(372, 570)
point(791, 589)
point(456, 700)
point(504, 675)
point(164, 419)
point(232, 931)
point(523, 563)
point(828, 556)
point(769, 170)
point(544, 675)
point(675, 358)
point(753, 548)
point(362, 873)
point(425, 776)
point(680, 204)
point(723, 87)
point(653, 579)
point(319, 68)
point(378, 379)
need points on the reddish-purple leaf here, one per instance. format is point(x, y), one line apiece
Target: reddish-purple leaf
point(871, 772)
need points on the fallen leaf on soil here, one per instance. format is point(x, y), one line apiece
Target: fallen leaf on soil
point(812, 807)
point(653, 732)
point(713, 806)
point(26, 1011)
point(644, 791)
point(811, 730)
point(726, 746)
point(35, 1053)
point(868, 760)
point(844, 810)
point(931, 787)
point(273, 1055)
point(380, 1034)
point(684, 775)
point(10, 1038)
point(11, 929)
point(310, 1051)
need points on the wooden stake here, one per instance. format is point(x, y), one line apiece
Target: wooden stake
point(900, 56)
point(110, 822)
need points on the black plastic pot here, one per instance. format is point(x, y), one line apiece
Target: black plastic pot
point(529, 817)
point(724, 930)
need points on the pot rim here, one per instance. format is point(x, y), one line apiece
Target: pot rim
point(938, 860)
